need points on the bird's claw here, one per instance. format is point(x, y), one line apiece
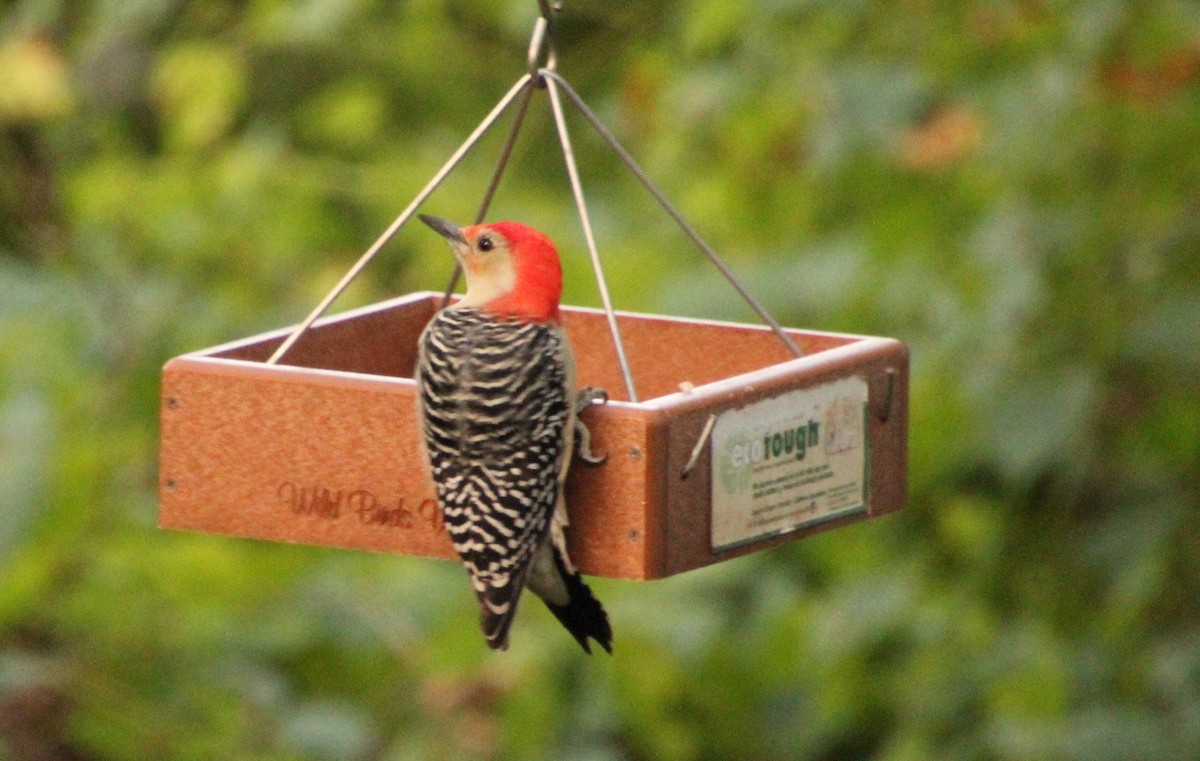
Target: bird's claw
point(588, 396)
point(583, 436)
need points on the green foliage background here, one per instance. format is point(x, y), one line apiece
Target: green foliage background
point(1011, 187)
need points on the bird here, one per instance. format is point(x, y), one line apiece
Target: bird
point(499, 413)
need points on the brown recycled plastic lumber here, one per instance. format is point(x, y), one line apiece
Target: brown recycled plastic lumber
point(325, 449)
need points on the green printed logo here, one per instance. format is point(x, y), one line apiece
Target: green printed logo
point(735, 477)
point(742, 451)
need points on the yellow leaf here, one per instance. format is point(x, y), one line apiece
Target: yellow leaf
point(35, 83)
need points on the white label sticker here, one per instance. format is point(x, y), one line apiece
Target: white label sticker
point(790, 461)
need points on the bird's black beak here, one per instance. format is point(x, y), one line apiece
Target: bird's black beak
point(445, 228)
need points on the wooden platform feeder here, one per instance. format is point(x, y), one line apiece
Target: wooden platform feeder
point(737, 444)
point(325, 450)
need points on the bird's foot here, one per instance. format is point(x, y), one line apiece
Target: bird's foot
point(588, 396)
point(583, 437)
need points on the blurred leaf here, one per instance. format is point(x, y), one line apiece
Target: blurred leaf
point(199, 87)
point(37, 84)
point(26, 445)
point(350, 116)
point(1037, 422)
point(1165, 332)
point(327, 730)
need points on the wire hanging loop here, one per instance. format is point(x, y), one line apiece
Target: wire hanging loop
point(542, 52)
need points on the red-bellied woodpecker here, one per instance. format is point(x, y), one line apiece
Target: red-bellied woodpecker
point(496, 386)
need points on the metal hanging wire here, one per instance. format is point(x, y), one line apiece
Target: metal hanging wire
point(542, 73)
point(524, 82)
point(564, 137)
point(672, 212)
point(501, 163)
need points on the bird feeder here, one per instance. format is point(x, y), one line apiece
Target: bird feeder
point(721, 438)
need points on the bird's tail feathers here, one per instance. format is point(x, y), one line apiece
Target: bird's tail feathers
point(583, 616)
point(497, 608)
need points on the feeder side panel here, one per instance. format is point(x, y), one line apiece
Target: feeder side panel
point(372, 341)
point(293, 455)
point(882, 363)
point(612, 505)
point(889, 430)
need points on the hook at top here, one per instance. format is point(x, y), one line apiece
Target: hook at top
point(542, 54)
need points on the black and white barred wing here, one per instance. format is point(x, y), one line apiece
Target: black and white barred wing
point(495, 410)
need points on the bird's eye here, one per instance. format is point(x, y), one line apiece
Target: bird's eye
point(486, 244)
